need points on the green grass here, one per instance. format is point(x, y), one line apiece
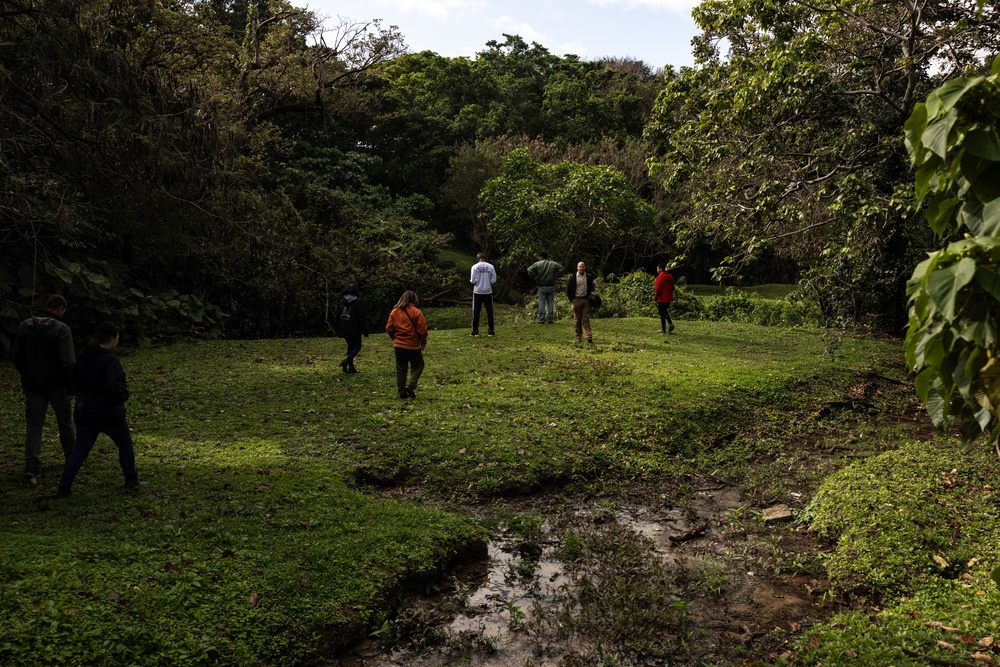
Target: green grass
point(257, 541)
point(460, 258)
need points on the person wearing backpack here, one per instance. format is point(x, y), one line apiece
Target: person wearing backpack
point(408, 330)
point(545, 271)
point(351, 326)
point(101, 392)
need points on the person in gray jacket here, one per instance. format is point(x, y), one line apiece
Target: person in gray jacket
point(545, 272)
point(44, 356)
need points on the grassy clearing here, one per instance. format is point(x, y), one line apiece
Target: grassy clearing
point(255, 541)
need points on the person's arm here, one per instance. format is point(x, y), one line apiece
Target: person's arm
point(533, 270)
point(114, 380)
point(421, 329)
point(67, 359)
point(493, 275)
point(472, 274)
point(390, 326)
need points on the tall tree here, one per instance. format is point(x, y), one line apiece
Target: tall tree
point(791, 141)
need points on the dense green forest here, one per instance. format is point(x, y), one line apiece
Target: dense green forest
point(228, 166)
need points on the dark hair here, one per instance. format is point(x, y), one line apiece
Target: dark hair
point(481, 256)
point(351, 289)
point(103, 333)
point(409, 297)
point(661, 267)
point(543, 254)
point(55, 302)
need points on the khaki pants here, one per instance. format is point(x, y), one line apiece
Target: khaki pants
point(581, 317)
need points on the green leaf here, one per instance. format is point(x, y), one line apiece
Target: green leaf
point(913, 130)
point(940, 214)
point(935, 137)
point(944, 284)
point(996, 61)
point(948, 95)
point(982, 143)
point(991, 218)
point(987, 184)
point(925, 176)
point(989, 280)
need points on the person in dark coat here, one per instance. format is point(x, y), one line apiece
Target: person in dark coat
point(43, 355)
point(100, 407)
point(351, 326)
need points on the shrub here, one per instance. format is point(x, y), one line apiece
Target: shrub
point(737, 306)
point(632, 296)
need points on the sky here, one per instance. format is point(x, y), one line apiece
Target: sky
point(657, 32)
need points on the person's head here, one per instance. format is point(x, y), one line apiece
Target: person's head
point(351, 289)
point(56, 304)
point(480, 256)
point(660, 268)
point(581, 268)
point(106, 334)
point(409, 298)
point(543, 255)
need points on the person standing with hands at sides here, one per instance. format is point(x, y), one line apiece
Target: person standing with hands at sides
point(408, 330)
point(544, 271)
point(351, 326)
point(100, 407)
point(483, 278)
point(43, 355)
point(663, 295)
point(579, 288)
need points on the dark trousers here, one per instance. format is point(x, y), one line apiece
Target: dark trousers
point(415, 360)
point(478, 301)
point(353, 346)
point(664, 309)
point(35, 406)
point(86, 436)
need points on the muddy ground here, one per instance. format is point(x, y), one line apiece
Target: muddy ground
point(698, 571)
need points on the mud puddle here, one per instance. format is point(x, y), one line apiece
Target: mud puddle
point(619, 582)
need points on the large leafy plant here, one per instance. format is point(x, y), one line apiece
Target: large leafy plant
point(954, 294)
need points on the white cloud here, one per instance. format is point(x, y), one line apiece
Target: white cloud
point(684, 6)
point(439, 10)
point(524, 30)
point(576, 48)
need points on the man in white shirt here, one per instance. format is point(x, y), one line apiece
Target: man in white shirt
point(483, 277)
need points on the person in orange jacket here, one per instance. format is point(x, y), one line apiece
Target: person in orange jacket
point(408, 330)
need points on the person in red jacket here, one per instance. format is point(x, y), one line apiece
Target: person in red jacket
point(408, 330)
point(664, 295)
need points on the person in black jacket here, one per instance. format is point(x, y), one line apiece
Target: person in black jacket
point(351, 326)
point(100, 407)
point(578, 290)
point(43, 355)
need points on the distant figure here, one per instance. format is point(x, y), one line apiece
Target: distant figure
point(664, 295)
point(483, 278)
point(408, 330)
point(44, 357)
point(351, 326)
point(100, 407)
point(545, 271)
point(578, 289)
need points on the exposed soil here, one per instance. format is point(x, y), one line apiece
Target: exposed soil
point(746, 584)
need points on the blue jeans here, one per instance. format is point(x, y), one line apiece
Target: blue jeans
point(546, 297)
point(353, 346)
point(86, 436)
point(35, 405)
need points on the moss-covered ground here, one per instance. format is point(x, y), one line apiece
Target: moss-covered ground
point(263, 537)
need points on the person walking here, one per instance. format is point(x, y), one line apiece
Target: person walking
point(408, 330)
point(579, 288)
point(351, 326)
point(483, 277)
point(663, 294)
point(44, 357)
point(545, 271)
point(100, 407)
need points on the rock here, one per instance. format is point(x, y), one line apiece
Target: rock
point(777, 513)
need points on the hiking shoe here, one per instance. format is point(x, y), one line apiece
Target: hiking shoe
point(490, 333)
point(671, 328)
point(133, 486)
point(403, 393)
point(475, 333)
point(63, 492)
point(343, 365)
point(660, 331)
point(410, 393)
